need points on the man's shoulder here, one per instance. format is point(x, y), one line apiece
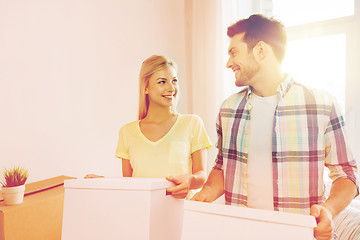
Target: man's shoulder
point(235, 99)
point(319, 96)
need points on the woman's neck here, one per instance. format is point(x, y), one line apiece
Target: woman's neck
point(158, 115)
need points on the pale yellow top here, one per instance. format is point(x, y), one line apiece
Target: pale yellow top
point(170, 155)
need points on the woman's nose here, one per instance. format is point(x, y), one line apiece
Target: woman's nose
point(170, 87)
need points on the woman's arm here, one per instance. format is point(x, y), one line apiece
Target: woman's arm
point(126, 168)
point(198, 168)
point(190, 181)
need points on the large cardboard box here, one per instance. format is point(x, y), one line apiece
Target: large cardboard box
point(39, 217)
point(212, 221)
point(121, 208)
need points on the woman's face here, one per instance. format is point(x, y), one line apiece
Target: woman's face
point(163, 87)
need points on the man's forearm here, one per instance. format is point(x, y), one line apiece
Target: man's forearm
point(342, 192)
point(215, 184)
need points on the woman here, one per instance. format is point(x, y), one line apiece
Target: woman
point(163, 143)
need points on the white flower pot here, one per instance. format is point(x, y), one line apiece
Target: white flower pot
point(13, 195)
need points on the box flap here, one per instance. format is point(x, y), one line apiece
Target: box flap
point(124, 183)
point(251, 213)
point(42, 185)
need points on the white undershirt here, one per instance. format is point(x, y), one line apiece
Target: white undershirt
point(260, 174)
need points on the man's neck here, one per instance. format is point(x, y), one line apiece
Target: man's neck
point(267, 84)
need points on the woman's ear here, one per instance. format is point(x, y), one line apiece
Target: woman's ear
point(146, 91)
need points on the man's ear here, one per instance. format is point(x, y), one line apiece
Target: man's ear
point(260, 50)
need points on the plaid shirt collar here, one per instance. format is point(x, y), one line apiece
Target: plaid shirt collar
point(281, 90)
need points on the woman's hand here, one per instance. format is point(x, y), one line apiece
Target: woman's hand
point(182, 182)
point(190, 181)
point(92, 176)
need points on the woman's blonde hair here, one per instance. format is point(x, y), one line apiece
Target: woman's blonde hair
point(148, 68)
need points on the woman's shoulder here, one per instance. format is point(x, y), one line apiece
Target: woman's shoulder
point(190, 118)
point(130, 125)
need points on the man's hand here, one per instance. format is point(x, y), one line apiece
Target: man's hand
point(324, 228)
point(203, 196)
point(342, 191)
point(213, 188)
point(182, 187)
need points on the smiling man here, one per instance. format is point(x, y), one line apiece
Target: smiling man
point(276, 136)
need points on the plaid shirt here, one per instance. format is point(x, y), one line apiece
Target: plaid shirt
point(308, 134)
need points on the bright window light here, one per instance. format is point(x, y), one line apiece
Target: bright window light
point(306, 11)
point(320, 63)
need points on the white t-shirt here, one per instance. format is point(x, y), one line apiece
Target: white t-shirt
point(260, 175)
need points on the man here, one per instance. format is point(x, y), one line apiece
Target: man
point(275, 136)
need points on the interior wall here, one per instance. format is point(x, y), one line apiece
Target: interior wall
point(69, 78)
point(204, 63)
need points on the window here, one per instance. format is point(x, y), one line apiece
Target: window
point(307, 11)
point(319, 62)
point(316, 54)
point(323, 51)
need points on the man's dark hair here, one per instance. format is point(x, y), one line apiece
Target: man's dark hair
point(259, 28)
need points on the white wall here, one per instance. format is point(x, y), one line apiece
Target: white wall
point(69, 78)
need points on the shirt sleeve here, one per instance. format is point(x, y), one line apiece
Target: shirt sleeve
point(122, 150)
point(200, 138)
point(339, 159)
point(219, 158)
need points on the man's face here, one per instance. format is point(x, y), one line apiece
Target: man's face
point(242, 61)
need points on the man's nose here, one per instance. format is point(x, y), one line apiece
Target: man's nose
point(229, 63)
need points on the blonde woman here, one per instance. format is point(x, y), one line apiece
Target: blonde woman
point(163, 143)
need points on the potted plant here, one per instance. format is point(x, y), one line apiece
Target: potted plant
point(13, 185)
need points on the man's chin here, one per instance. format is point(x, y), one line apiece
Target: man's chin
point(239, 84)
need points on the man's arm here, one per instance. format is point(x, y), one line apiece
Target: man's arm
point(213, 188)
point(342, 192)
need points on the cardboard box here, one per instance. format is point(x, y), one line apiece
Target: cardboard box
point(39, 217)
point(121, 208)
point(212, 221)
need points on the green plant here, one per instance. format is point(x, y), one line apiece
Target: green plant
point(14, 177)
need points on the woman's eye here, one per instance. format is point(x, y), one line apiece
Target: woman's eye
point(175, 81)
point(161, 82)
